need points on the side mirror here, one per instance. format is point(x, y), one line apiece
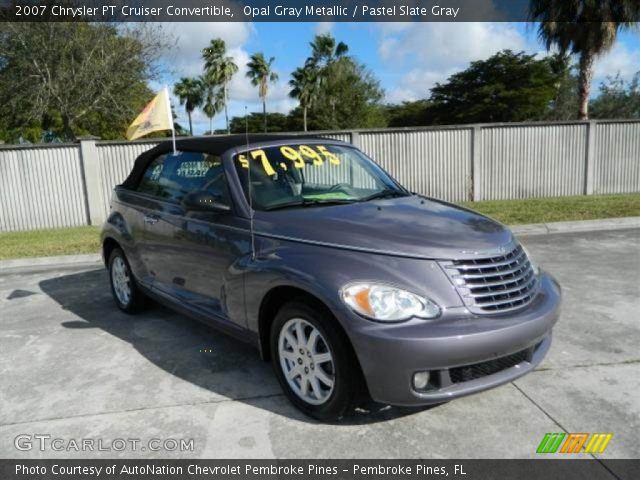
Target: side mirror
point(203, 201)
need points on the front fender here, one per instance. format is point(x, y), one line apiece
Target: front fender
point(119, 230)
point(115, 227)
point(322, 271)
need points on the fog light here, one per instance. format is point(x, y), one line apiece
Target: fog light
point(420, 380)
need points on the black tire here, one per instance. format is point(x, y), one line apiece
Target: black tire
point(346, 373)
point(137, 300)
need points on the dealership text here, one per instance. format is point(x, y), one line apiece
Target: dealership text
point(237, 469)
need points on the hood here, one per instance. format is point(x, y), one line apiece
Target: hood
point(407, 226)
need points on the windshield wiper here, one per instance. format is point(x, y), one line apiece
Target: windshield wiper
point(386, 193)
point(309, 202)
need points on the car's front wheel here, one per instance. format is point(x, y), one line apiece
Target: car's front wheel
point(313, 361)
point(126, 293)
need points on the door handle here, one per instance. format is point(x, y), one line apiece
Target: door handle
point(151, 219)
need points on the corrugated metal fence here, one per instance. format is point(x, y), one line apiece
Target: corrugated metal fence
point(57, 186)
point(536, 161)
point(41, 188)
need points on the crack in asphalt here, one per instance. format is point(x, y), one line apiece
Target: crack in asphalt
point(552, 418)
point(142, 409)
point(258, 397)
point(587, 365)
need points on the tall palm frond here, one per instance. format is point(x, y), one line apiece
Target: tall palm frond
point(325, 50)
point(305, 83)
point(220, 69)
point(213, 99)
point(190, 92)
point(587, 28)
point(261, 74)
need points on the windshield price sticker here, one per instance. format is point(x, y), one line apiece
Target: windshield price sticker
point(298, 155)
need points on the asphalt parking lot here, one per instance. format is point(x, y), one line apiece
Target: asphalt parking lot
point(72, 366)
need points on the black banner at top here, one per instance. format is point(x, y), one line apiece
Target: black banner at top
point(266, 10)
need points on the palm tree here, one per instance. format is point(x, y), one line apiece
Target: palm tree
point(220, 68)
point(261, 74)
point(325, 51)
point(326, 56)
point(213, 99)
point(190, 93)
point(304, 85)
point(586, 28)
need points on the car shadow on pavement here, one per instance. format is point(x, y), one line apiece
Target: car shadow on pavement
point(188, 349)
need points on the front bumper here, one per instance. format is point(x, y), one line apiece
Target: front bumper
point(464, 352)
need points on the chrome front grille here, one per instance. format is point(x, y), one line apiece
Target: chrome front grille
point(494, 284)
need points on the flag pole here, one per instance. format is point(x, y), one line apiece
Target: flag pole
point(169, 112)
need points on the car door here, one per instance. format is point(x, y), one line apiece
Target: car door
point(215, 242)
point(191, 253)
point(162, 216)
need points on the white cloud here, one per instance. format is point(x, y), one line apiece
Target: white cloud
point(427, 53)
point(621, 59)
point(242, 93)
point(323, 27)
point(185, 60)
point(415, 85)
point(240, 87)
point(430, 52)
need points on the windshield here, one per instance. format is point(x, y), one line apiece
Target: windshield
point(295, 176)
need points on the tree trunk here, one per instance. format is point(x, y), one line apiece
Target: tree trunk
point(304, 118)
point(210, 125)
point(264, 113)
point(190, 125)
point(226, 113)
point(68, 131)
point(584, 82)
point(332, 101)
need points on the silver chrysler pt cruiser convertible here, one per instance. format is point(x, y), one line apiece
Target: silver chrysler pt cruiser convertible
point(350, 284)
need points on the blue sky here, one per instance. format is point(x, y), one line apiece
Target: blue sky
point(407, 58)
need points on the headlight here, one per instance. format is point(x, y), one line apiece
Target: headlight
point(534, 265)
point(386, 303)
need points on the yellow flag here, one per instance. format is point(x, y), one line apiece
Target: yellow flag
point(156, 116)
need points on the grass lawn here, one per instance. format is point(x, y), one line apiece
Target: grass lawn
point(46, 243)
point(69, 241)
point(558, 209)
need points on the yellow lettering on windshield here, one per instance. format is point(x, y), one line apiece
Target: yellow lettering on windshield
point(293, 155)
point(296, 155)
point(330, 156)
point(312, 154)
point(262, 156)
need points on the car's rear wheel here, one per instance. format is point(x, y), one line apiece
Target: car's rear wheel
point(313, 361)
point(126, 293)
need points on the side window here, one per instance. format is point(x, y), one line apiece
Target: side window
point(150, 182)
point(216, 182)
point(171, 177)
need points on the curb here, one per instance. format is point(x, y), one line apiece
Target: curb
point(40, 264)
point(43, 264)
point(577, 226)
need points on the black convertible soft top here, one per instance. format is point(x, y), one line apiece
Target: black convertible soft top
point(213, 145)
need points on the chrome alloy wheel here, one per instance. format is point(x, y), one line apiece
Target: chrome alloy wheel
point(121, 281)
point(306, 361)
